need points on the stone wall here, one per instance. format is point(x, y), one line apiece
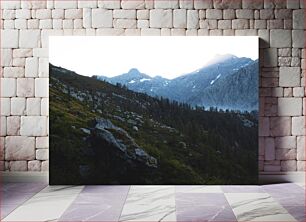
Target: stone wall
point(26, 25)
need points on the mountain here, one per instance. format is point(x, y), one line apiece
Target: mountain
point(237, 91)
point(102, 133)
point(197, 88)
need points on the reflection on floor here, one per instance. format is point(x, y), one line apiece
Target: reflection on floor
point(39, 202)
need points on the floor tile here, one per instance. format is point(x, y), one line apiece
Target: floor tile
point(283, 188)
point(47, 205)
point(242, 189)
point(149, 203)
point(257, 207)
point(298, 212)
point(203, 207)
point(289, 199)
point(97, 203)
point(22, 187)
point(198, 189)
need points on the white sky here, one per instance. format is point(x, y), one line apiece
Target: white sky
point(169, 57)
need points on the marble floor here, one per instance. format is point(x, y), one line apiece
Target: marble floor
point(40, 202)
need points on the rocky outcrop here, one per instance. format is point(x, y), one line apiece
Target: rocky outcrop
point(121, 143)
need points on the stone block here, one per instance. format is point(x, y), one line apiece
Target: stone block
point(5, 106)
point(285, 142)
point(6, 57)
point(270, 57)
point(43, 13)
point(224, 24)
point(192, 19)
point(280, 126)
point(34, 165)
point(229, 14)
point(19, 148)
point(10, 4)
point(41, 87)
point(227, 4)
point(166, 4)
point(293, 4)
point(33, 126)
point(45, 107)
point(142, 24)
point(23, 14)
point(203, 4)
point(43, 67)
point(33, 106)
point(20, 63)
point(150, 32)
point(160, 18)
point(87, 4)
point(245, 14)
point(124, 14)
point(9, 38)
point(269, 149)
point(42, 142)
point(280, 38)
point(8, 87)
point(42, 154)
point(87, 18)
point(298, 38)
point(252, 4)
point(301, 166)
point(102, 18)
point(285, 154)
point(109, 4)
point(18, 166)
point(299, 19)
point(179, 18)
point(264, 126)
point(45, 165)
point(143, 14)
point(186, 4)
point(25, 87)
point(66, 4)
point(73, 13)
point(8, 14)
point(240, 24)
point(298, 92)
point(22, 53)
point(288, 165)
point(214, 14)
point(29, 38)
point(10, 72)
point(18, 106)
point(289, 76)
point(133, 4)
point(301, 148)
point(283, 14)
point(31, 67)
point(58, 13)
point(125, 23)
point(289, 106)
point(298, 126)
point(13, 125)
point(3, 129)
point(264, 38)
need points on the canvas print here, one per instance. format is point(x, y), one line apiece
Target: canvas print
point(153, 110)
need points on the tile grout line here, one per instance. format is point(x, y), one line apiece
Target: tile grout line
point(124, 202)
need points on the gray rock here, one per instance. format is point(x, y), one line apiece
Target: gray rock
point(86, 131)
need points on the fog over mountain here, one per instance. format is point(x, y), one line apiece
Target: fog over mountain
point(226, 82)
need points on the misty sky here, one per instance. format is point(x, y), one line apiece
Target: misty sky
point(169, 57)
